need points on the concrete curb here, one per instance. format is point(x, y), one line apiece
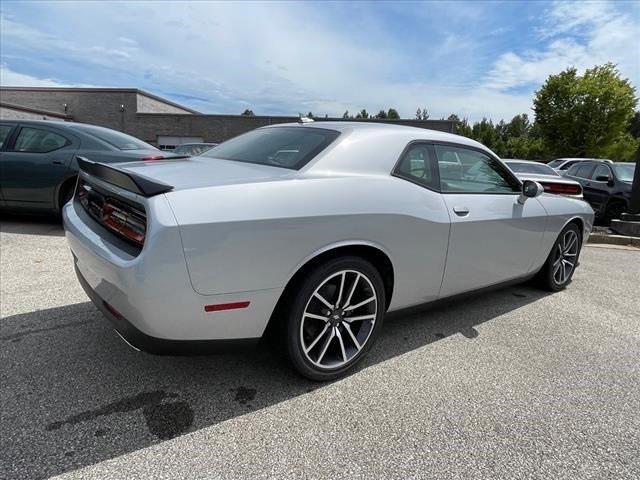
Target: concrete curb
point(614, 240)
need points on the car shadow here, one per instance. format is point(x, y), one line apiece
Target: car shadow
point(49, 225)
point(73, 394)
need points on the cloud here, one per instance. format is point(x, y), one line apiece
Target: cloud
point(579, 34)
point(285, 58)
point(14, 79)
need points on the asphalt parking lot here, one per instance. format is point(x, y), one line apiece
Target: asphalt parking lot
point(513, 384)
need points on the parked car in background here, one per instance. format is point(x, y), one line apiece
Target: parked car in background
point(606, 186)
point(38, 169)
point(551, 180)
point(561, 165)
point(192, 149)
point(356, 219)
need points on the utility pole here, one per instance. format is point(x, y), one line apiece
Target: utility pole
point(634, 203)
point(629, 223)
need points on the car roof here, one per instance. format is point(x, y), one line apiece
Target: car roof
point(517, 160)
point(416, 132)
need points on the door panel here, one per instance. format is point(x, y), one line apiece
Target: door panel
point(597, 192)
point(493, 239)
point(34, 166)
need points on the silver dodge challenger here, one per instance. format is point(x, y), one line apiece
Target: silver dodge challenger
point(314, 230)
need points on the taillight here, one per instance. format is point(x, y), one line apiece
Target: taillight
point(126, 222)
point(562, 188)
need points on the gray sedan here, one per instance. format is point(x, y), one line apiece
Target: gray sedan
point(551, 180)
point(314, 245)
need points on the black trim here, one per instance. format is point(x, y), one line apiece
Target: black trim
point(161, 346)
point(132, 182)
point(432, 161)
point(461, 296)
point(433, 143)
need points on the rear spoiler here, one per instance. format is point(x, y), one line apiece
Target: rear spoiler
point(132, 182)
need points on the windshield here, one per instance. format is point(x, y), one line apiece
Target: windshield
point(625, 171)
point(286, 147)
point(555, 163)
point(535, 168)
point(120, 140)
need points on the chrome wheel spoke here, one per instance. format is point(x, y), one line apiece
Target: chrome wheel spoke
point(323, 300)
point(325, 347)
point(313, 344)
point(347, 327)
point(353, 289)
point(341, 288)
point(358, 305)
point(328, 334)
point(360, 317)
point(344, 353)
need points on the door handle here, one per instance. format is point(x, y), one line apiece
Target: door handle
point(57, 162)
point(461, 211)
point(587, 184)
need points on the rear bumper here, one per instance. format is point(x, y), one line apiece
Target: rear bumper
point(160, 346)
point(149, 297)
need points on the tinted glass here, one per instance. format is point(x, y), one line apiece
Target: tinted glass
point(286, 147)
point(569, 164)
point(555, 163)
point(601, 171)
point(468, 171)
point(119, 140)
point(36, 140)
point(4, 133)
point(536, 168)
point(583, 170)
point(417, 165)
point(625, 172)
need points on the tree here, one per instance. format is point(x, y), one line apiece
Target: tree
point(362, 114)
point(248, 113)
point(310, 115)
point(634, 125)
point(393, 114)
point(381, 114)
point(587, 115)
point(346, 114)
point(422, 114)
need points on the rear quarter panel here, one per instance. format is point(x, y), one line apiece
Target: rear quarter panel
point(256, 236)
point(562, 210)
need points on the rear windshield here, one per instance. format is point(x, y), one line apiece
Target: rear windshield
point(535, 168)
point(285, 147)
point(119, 140)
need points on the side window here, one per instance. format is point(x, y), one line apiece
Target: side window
point(469, 171)
point(418, 166)
point(601, 171)
point(572, 171)
point(35, 140)
point(5, 130)
point(567, 165)
point(583, 170)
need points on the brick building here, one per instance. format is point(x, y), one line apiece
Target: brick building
point(146, 116)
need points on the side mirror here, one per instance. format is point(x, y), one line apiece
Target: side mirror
point(530, 189)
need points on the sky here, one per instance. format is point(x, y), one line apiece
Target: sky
point(475, 59)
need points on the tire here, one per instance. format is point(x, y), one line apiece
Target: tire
point(554, 275)
point(325, 346)
point(66, 193)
